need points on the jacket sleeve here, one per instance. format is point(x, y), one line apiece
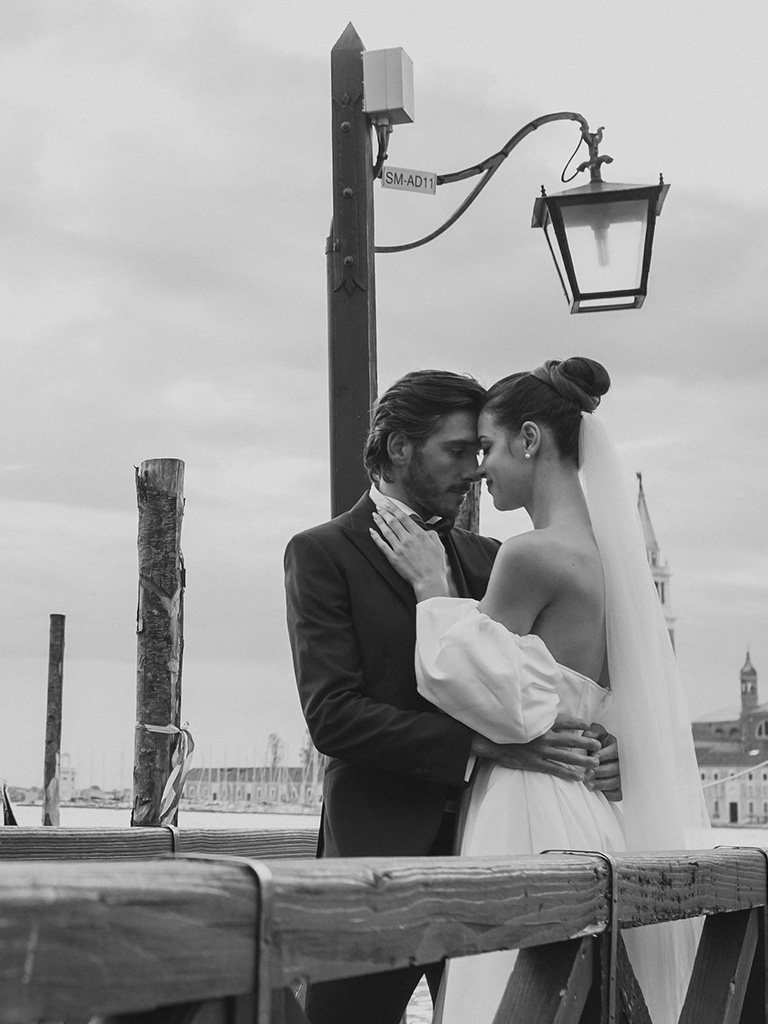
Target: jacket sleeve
point(344, 718)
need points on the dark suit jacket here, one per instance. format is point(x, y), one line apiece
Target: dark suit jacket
point(395, 759)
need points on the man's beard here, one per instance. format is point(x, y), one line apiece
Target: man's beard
point(424, 495)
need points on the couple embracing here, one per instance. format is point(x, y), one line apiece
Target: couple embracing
point(478, 698)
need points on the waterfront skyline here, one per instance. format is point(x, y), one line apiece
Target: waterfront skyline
point(165, 188)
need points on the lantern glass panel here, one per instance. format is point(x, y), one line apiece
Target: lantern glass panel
point(606, 242)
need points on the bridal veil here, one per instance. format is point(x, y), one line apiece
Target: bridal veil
point(663, 803)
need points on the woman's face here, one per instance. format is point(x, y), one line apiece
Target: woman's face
point(503, 464)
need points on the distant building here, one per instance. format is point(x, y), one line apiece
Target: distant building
point(731, 746)
point(255, 787)
point(732, 751)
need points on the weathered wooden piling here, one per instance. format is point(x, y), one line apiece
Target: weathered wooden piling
point(52, 760)
point(159, 629)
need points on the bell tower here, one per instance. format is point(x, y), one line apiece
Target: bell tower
point(748, 678)
point(659, 566)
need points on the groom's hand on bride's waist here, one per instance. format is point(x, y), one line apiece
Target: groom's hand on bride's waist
point(565, 751)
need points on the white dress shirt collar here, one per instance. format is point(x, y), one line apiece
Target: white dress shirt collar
point(378, 498)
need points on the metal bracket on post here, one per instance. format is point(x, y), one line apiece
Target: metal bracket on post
point(611, 1016)
point(175, 837)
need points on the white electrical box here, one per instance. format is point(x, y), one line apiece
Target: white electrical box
point(388, 85)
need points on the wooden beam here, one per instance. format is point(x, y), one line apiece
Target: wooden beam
point(755, 1008)
point(23, 843)
point(667, 885)
point(75, 936)
point(721, 970)
point(549, 984)
point(117, 937)
point(633, 1009)
point(339, 918)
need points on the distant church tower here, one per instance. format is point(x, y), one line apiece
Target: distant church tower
point(748, 687)
point(659, 569)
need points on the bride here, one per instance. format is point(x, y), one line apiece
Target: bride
point(570, 624)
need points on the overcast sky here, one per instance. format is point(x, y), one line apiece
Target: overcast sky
point(164, 203)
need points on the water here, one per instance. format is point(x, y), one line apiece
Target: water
point(120, 817)
point(420, 1008)
point(115, 817)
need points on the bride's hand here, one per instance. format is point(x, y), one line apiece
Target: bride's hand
point(417, 554)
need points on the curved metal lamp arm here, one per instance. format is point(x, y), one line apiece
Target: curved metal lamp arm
point(487, 168)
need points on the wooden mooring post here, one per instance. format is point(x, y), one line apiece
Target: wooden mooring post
point(159, 629)
point(52, 762)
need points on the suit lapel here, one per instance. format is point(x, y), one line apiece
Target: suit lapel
point(470, 562)
point(475, 561)
point(360, 520)
point(457, 569)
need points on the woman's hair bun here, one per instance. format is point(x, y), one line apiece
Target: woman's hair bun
point(581, 380)
point(589, 375)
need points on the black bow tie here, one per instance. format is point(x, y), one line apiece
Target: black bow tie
point(441, 526)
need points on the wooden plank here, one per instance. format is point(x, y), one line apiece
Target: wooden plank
point(668, 885)
point(633, 1009)
point(755, 1008)
point(23, 843)
point(549, 984)
point(721, 970)
point(263, 845)
point(349, 917)
point(121, 843)
point(76, 937)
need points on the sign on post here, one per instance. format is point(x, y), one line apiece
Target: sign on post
point(409, 181)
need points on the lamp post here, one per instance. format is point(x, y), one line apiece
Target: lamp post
point(603, 235)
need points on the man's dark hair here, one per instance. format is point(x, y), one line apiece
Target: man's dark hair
point(414, 406)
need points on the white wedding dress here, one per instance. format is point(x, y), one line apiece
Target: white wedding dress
point(510, 689)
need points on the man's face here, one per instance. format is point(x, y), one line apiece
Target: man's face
point(437, 475)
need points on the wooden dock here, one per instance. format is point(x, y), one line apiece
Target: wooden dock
point(231, 923)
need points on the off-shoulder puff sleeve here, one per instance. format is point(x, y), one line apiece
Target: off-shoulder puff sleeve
point(501, 685)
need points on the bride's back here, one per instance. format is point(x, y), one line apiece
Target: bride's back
point(549, 582)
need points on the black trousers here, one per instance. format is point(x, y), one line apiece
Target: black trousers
point(378, 998)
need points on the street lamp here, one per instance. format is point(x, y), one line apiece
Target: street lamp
point(603, 236)
point(600, 236)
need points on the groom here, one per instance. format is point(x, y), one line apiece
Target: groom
point(397, 765)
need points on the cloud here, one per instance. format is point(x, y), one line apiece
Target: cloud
point(165, 201)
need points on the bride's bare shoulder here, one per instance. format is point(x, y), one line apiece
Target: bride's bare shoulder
point(529, 554)
point(547, 554)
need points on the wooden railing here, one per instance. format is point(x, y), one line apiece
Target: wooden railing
point(221, 939)
point(142, 843)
